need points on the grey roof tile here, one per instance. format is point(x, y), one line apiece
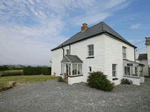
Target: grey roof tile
point(94, 30)
point(72, 59)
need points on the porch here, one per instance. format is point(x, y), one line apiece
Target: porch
point(133, 71)
point(71, 69)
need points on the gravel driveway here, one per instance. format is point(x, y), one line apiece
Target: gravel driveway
point(53, 96)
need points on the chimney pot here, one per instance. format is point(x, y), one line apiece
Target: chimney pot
point(84, 27)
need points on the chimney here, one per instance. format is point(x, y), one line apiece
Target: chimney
point(84, 27)
point(147, 42)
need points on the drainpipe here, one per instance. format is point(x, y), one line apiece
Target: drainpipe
point(63, 50)
point(70, 49)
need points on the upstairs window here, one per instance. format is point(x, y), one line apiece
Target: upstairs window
point(124, 52)
point(68, 52)
point(91, 50)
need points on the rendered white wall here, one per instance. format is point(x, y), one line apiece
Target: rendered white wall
point(73, 80)
point(145, 68)
point(148, 54)
point(57, 56)
point(113, 55)
point(142, 79)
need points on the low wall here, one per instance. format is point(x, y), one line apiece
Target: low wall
point(75, 79)
point(135, 80)
point(142, 79)
point(116, 82)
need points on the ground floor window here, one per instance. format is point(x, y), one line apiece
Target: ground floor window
point(134, 71)
point(114, 70)
point(127, 70)
point(76, 69)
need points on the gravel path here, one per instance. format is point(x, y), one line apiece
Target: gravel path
point(53, 96)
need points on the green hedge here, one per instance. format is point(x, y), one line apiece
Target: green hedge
point(36, 70)
point(3, 68)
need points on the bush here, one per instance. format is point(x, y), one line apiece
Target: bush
point(61, 79)
point(99, 81)
point(126, 81)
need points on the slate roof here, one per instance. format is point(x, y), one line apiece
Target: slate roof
point(142, 56)
point(72, 59)
point(93, 31)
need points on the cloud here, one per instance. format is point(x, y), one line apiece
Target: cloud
point(135, 26)
point(99, 11)
point(113, 3)
point(90, 19)
point(29, 29)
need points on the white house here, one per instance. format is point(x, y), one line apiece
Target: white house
point(98, 48)
point(147, 42)
point(143, 59)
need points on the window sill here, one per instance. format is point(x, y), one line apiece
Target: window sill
point(114, 78)
point(75, 75)
point(90, 57)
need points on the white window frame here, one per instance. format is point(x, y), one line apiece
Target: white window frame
point(77, 69)
point(90, 50)
point(124, 54)
point(114, 70)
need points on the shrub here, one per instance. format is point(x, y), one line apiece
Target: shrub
point(126, 81)
point(60, 79)
point(99, 81)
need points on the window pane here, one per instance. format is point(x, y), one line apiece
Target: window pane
point(90, 69)
point(114, 73)
point(127, 70)
point(69, 69)
point(91, 50)
point(91, 53)
point(74, 69)
point(114, 67)
point(79, 68)
point(91, 47)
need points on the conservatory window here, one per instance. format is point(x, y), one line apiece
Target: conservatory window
point(76, 69)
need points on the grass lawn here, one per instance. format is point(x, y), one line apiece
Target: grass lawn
point(24, 79)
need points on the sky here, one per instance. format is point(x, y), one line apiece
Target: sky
point(29, 29)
